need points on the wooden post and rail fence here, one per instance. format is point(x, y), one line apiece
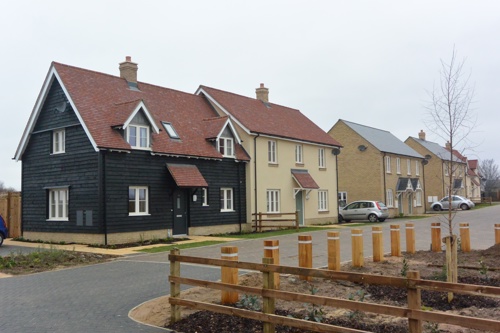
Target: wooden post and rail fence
point(10, 209)
point(270, 293)
point(275, 221)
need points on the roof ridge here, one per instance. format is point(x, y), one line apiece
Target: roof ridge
point(378, 129)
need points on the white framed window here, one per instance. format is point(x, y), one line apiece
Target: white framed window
point(204, 194)
point(322, 200)
point(138, 136)
point(226, 199)
point(226, 147)
point(321, 158)
point(387, 164)
point(272, 152)
point(58, 204)
point(172, 133)
point(417, 168)
point(273, 201)
point(138, 200)
point(58, 141)
point(298, 154)
point(390, 198)
point(408, 167)
point(446, 169)
point(342, 199)
point(418, 198)
point(398, 165)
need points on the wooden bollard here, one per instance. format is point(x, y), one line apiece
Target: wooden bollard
point(410, 238)
point(378, 244)
point(357, 248)
point(464, 237)
point(228, 274)
point(272, 250)
point(497, 233)
point(395, 241)
point(268, 303)
point(305, 254)
point(436, 237)
point(333, 250)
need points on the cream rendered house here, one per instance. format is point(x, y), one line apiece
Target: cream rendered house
point(293, 161)
point(375, 165)
point(440, 164)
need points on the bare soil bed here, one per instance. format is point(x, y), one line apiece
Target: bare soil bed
point(429, 264)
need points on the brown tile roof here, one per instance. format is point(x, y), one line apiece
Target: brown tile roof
point(473, 164)
point(104, 101)
point(186, 175)
point(304, 179)
point(271, 119)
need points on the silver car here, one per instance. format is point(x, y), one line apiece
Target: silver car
point(456, 202)
point(372, 211)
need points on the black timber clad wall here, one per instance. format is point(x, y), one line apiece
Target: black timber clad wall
point(77, 167)
point(140, 168)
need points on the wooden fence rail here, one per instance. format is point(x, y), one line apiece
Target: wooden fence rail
point(274, 220)
point(412, 283)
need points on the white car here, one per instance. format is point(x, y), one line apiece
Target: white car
point(456, 202)
point(372, 211)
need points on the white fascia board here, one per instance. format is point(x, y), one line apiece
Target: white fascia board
point(35, 113)
point(231, 128)
point(274, 137)
point(201, 91)
point(142, 106)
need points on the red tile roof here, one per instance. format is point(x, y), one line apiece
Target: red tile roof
point(304, 179)
point(271, 119)
point(104, 101)
point(186, 175)
point(473, 164)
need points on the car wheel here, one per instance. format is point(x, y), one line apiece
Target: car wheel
point(381, 220)
point(341, 219)
point(372, 218)
point(464, 206)
point(437, 208)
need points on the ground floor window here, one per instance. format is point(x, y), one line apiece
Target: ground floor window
point(322, 200)
point(58, 204)
point(390, 198)
point(273, 201)
point(342, 197)
point(418, 198)
point(226, 199)
point(204, 193)
point(138, 200)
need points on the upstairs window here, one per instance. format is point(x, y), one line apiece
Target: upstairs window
point(398, 166)
point(138, 136)
point(388, 164)
point(408, 167)
point(417, 168)
point(170, 130)
point(226, 147)
point(271, 152)
point(298, 154)
point(321, 158)
point(58, 141)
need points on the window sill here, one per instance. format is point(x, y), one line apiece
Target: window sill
point(323, 211)
point(297, 164)
point(139, 214)
point(58, 153)
point(275, 165)
point(227, 211)
point(58, 220)
point(203, 205)
point(322, 169)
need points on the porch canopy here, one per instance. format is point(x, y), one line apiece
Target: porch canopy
point(304, 179)
point(407, 184)
point(187, 175)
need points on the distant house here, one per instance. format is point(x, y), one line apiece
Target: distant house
point(108, 159)
point(440, 164)
point(293, 164)
point(375, 165)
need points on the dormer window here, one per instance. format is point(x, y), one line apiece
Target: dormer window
point(138, 136)
point(58, 141)
point(226, 147)
point(170, 130)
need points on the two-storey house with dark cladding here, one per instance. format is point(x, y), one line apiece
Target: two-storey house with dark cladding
point(108, 159)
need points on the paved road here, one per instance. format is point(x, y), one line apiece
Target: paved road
point(98, 298)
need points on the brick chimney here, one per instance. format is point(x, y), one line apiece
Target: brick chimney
point(128, 70)
point(262, 93)
point(421, 135)
point(448, 145)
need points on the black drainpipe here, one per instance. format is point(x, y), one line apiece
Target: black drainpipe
point(383, 172)
point(102, 193)
point(255, 173)
point(423, 182)
point(239, 193)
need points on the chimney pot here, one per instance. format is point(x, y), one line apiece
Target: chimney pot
point(262, 93)
point(128, 70)
point(421, 135)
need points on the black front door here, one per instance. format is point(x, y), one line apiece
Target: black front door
point(180, 213)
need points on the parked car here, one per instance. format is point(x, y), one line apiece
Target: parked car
point(372, 211)
point(456, 202)
point(4, 232)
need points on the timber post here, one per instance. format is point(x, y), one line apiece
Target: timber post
point(229, 274)
point(378, 244)
point(268, 303)
point(357, 248)
point(175, 288)
point(464, 237)
point(410, 237)
point(436, 237)
point(395, 241)
point(272, 250)
point(333, 250)
point(305, 254)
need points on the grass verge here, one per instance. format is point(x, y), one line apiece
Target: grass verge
point(265, 234)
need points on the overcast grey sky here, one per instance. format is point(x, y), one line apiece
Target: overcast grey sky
point(370, 62)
